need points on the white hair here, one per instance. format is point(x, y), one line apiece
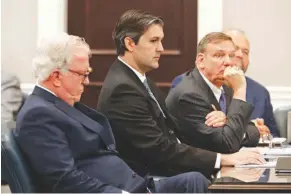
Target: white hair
point(55, 52)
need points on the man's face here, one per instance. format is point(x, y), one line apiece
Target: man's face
point(147, 52)
point(215, 59)
point(75, 78)
point(243, 49)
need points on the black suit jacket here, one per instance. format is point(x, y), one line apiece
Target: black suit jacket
point(191, 101)
point(72, 149)
point(144, 137)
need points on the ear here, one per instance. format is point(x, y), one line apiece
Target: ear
point(56, 77)
point(200, 61)
point(129, 44)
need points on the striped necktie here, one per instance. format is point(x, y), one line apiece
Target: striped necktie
point(152, 96)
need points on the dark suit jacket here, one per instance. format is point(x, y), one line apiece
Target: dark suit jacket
point(144, 137)
point(72, 149)
point(191, 101)
point(259, 97)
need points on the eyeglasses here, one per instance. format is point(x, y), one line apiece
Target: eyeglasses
point(84, 75)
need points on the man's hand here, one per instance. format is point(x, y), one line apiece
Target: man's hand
point(215, 118)
point(234, 78)
point(263, 129)
point(242, 157)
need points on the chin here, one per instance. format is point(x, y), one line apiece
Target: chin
point(155, 65)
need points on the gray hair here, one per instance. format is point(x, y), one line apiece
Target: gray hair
point(55, 52)
point(237, 30)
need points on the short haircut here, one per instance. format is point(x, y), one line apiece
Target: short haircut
point(212, 38)
point(56, 52)
point(133, 24)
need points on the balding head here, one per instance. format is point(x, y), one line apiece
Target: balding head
point(240, 40)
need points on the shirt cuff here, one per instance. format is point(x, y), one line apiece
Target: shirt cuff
point(218, 161)
point(124, 192)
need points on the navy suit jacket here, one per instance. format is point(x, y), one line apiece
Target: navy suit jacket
point(72, 149)
point(259, 97)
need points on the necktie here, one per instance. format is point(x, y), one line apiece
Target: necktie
point(152, 96)
point(222, 102)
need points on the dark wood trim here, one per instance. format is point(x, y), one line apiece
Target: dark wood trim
point(113, 52)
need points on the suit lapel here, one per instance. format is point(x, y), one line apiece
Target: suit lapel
point(135, 80)
point(83, 115)
point(208, 94)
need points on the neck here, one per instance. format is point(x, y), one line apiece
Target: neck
point(130, 61)
point(48, 86)
point(58, 92)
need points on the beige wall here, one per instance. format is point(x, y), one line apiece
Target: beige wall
point(18, 36)
point(268, 26)
point(23, 22)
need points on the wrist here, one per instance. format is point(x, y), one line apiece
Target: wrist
point(240, 93)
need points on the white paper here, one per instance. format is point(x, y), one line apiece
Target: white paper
point(278, 151)
point(271, 164)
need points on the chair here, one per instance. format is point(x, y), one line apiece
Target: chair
point(280, 115)
point(14, 169)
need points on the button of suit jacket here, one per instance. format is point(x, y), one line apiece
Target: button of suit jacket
point(171, 132)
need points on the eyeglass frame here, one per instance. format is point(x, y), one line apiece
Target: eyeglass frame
point(85, 75)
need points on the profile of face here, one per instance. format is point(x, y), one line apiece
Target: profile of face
point(76, 76)
point(213, 61)
point(147, 52)
point(243, 49)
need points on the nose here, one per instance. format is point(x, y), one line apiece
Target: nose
point(86, 80)
point(239, 53)
point(160, 47)
point(228, 61)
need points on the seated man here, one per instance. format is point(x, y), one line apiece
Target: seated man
point(11, 97)
point(146, 134)
point(202, 92)
point(257, 94)
point(70, 146)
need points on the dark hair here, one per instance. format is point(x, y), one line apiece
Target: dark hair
point(133, 24)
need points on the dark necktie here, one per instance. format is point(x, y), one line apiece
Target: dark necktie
point(222, 102)
point(152, 96)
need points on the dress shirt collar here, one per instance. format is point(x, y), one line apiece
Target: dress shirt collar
point(138, 74)
point(38, 85)
point(216, 91)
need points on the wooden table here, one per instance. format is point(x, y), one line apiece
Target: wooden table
point(262, 180)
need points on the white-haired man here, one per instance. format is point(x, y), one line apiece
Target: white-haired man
point(71, 146)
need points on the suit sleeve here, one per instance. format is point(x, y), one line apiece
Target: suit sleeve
point(46, 146)
point(252, 136)
point(269, 116)
point(11, 98)
point(129, 112)
point(192, 110)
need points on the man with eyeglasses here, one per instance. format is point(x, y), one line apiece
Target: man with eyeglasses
point(70, 146)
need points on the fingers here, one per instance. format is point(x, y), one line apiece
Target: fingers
point(214, 108)
point(218, 121)
point(256, 158)
point(215, 118)
point(260, 121)
point(263, 129)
